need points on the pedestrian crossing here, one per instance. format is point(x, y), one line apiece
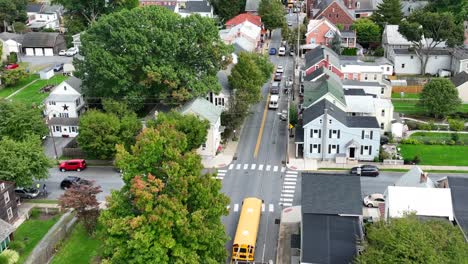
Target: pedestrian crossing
point(220, 175)
point(265, 208)
point(257, 167)
point(289, 188)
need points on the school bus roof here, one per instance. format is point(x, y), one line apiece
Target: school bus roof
point(249, 222)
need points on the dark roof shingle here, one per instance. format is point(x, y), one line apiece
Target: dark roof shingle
point(72, 121)
point(459, 191)
point(460, 78)
point(40, 40)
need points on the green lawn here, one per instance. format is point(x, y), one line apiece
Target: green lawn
point(9, 90)
point(426, 136)
point(437, 154)
point(32, 93)
point(78, 248)
point(410, 107)
point(407, 96)
point(31, 232)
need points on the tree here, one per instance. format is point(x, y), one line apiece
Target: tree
point(20, 27)
point(456, 125)
point(272, 14)
point(290, 34)
point(388, 12)
point(335, 44)
point(193, 127)
point(367, 31)
point(226, 9)
point(23, 161)
point(167, 212)
point(459, 8)
point(12, 10)
point(19, 121)
point(12, 77)
point(426, 30)
point(409, 240)
point(293, 114)
point(82, 198)
point(439, 97)
point(157, 56)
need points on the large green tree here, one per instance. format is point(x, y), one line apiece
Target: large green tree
point(439, 97)
point(425, 30)
point(151, 54)
point(12, 77)
point(167, 212)
point(459, 8)
point(12, 10)
point(367, 31)
point(272, 14)
point(290, 35)
point(410, 240)
point(23, 161)
point(226, 9)
point(388, 12)
point(18, 121)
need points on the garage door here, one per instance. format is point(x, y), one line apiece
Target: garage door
point(29, 52)
point(48, 52)
point(39, 51)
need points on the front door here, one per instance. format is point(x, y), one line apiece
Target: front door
point(352, 153)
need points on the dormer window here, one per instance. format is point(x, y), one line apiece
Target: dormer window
point(64, 88)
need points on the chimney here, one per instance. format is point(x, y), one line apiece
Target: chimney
point(423, 177)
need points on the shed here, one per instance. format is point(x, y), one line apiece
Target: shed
point(68, 69)
point(46, 74)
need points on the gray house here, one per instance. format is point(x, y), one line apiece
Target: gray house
point(329, 133)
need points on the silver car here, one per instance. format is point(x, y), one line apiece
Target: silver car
point(27, 193)
point(374, 200)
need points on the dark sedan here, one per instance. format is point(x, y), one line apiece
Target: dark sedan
point(366, 170)
point(73, 180)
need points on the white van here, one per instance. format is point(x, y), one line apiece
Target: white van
point(282, 51)
point(274, 101)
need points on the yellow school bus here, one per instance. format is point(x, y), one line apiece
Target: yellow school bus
point(243, 248)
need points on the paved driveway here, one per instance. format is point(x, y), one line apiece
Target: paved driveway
point(37, 63)
point(60, 143)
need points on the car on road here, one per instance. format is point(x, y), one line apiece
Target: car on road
point(58, 67)
point(27, 193)
point(284, 115)
point(74, 164)
point(272, 51)
point(279, 69)
point(282, 51)
point(278, 77)
point(366, 170)
point(291, 52)
point(11, 66)
point(373, 200)
point(62, 53)
point(71, 52)
point(73, 180)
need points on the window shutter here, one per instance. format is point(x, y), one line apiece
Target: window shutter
point(338, 133)
point(329, 148)
point(370, 150)
point(371, 134)
point(310, 148)
point(362, 135)
point(329, 133)
point(320, 133)
point(311, 133)
point(338, 148)
point(362, 150)
point(319, 147)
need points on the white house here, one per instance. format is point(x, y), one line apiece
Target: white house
point(220, 99)
point(329, 133)
point(459, 60)
point(206, 110)
point(407, 62)
point(355, 69)
point(11, 43)
point(460, 80)
point(425, 202)
point(201, 7)
point(246, 35)
point(63, 107)
point(392, 39)
point(43, 16)
point(368, 105)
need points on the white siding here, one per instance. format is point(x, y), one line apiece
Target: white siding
point(412, 64)
point(62, 130)
point(463, 92)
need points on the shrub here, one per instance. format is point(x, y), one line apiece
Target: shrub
point(410, 141)
point(451, 142)
point(456, 125)
point(35, 213)
point(11, 255)
point(455, 136)
point(425, 126)
point(433, 142)
point(12, 58)
point(379, 52)
point(17, 246)
point(416, 159)
point(349, 52)
point(412, 125)
point(4, 259)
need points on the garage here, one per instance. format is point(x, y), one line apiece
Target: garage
point(48, 52)
point(43, 43)
point(39, 51)
point(29, 52)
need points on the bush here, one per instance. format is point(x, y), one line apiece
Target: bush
point(12, 58)
point(424, 126)
point(379, 52)
point(16, 246)
point(416, 159)
point(455, 136)
point(35, 213)
point(4, 259)
point(459, 142)
point(349, 52)
point(451, 142)
point(412, 125)
point(11, 255)
point(433, 142)
point(456, 125)
point(410, 141)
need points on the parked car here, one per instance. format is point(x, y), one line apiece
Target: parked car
point(284, 115)
point(74, 164)
point(373, 200)
point(291, 52)
point(62, 53)
point(366, 170)
point(27, 193)
point(279, 69)
point(71, 52)
point(58, 67)
point(272, 51)
point(11, 66)
point(278, 77)
point(72, 180)
point(282, 51)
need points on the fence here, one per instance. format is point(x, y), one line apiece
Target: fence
point(72, 150)
point(47, 246)
point(412, 89)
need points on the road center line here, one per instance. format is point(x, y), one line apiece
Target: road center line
point(262, 126)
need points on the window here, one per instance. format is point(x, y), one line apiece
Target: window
point(375, 77)
point(435, 57)
point(333, 10)
point(346, 76)
point(411, 57)
point(64, 87)
point(57, 129)
point(51, 102)
point(383, 112)
point(329, 67)
point(365, 76)
point(329, 121)
point(10, 213)
point(65, 115)
point(382, 126)
point(402, 65)
point(78, 102)
point(315, 148)
point(315, 133)
point(2, 186)
point(6, 196)
point(358, 5)
point(329, 15)
point(73, 129)
point(337, 15)
point(388, 68)
point(382, 90)
point(320, 121)
point(312, 41)
point(355, 76)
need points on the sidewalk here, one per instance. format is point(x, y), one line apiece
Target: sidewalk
point(223, 158)
point(299, 163)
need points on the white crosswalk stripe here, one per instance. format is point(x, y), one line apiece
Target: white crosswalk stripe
point(275, 168)
point(271, 208)
point(260, 167)
point(288, 191)
point(246, 166)
point(290, 180)
point(283, 169)
point(252, 167)
point(231, 166)
point(236, 207)
point(222, 171)
point(289, 187)
point(286, 200)
point(291, 176)
point(238, 167)
point(289, 183)
point(268, 167)
point(287, 195)
point(286, 204)
point(291, 172)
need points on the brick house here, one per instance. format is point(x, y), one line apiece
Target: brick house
point(335, 11)
point(321, 32)
point(322, 56)
point(8, 205)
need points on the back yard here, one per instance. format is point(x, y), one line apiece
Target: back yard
point(408, 104)
point(33, 94)
point(436, 154)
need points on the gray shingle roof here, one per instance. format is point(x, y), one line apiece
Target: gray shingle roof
point(432, 52)
point(252, 5)
point(202, 108)
point(460, 78)
point(354, 92)
point(7, 35)
point(325, 3)
point(64, 121)
point(314, 74)
point(40, 39)
point(331, 194)
point(459, 191)
point(460, 54)
point(75, 83)
point(318, 109)
point(34, 8)
point(319, 53)
point(5, 229)
point(196, 7)
point(360, 83)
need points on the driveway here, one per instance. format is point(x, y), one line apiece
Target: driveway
point(37, 63)
point(60, 143)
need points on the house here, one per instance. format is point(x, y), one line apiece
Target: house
point(43, 43)
point(8, 204)
point(6, 234)
point(370, 105)
point(322, 56)
point(329, 133)
point(206, 110)
point(335, 11)
point(407, 62)
point(201, 7)
point(251, 6)
point(325, 87)
point(362, 8)
point(331, 225)
point(355, 69)
point(321, 32)
point(246, 36)
point(415, 178)
point(424, 202)
point(63, 107)
point(164, 3)
point(369, 87)
point(241, 18)
point(76, 40)
point(459, 191)
point(460, 80)
point(220, 99)
point(392, 39)
point(459, 60)
point(43, 16)
point(10, 42)
point(408, 7)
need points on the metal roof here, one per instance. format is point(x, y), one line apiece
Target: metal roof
point(460, 78)
point(319, 53)
point(40, 39)
point(73, 121)
point(459, 190)
point(313, 91)
point(202, 108)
